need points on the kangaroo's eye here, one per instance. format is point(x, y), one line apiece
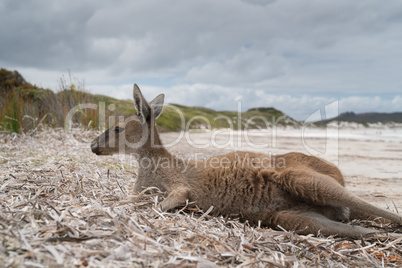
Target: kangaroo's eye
point(118, 129)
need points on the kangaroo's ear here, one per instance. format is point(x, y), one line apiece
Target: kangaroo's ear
point(143, 109)
point(157, 105)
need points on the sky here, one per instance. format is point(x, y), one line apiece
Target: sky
point(298, 56)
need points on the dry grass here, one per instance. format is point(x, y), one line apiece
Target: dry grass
point(62, 206)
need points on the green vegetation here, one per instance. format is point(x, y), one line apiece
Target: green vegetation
point(26, 107)
point(177, 117)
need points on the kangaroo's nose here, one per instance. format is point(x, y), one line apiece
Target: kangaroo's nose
point(94, 146)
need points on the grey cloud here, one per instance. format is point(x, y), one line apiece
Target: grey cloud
point(259, 2)
point(154, 36)
point(244, 68)
point(293, 47)
point(44, 34)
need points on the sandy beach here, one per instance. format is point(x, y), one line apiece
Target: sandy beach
point(61, 205)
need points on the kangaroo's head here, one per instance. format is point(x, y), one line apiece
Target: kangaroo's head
point(134, 132)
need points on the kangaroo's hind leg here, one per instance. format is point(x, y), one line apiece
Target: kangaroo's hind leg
point(322, 190)
point(314, 223)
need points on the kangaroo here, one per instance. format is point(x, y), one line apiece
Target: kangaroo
point(294, 191)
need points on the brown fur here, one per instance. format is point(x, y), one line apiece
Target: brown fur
point(295, 191)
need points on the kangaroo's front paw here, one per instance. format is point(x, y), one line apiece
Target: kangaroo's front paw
point(168, 204)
